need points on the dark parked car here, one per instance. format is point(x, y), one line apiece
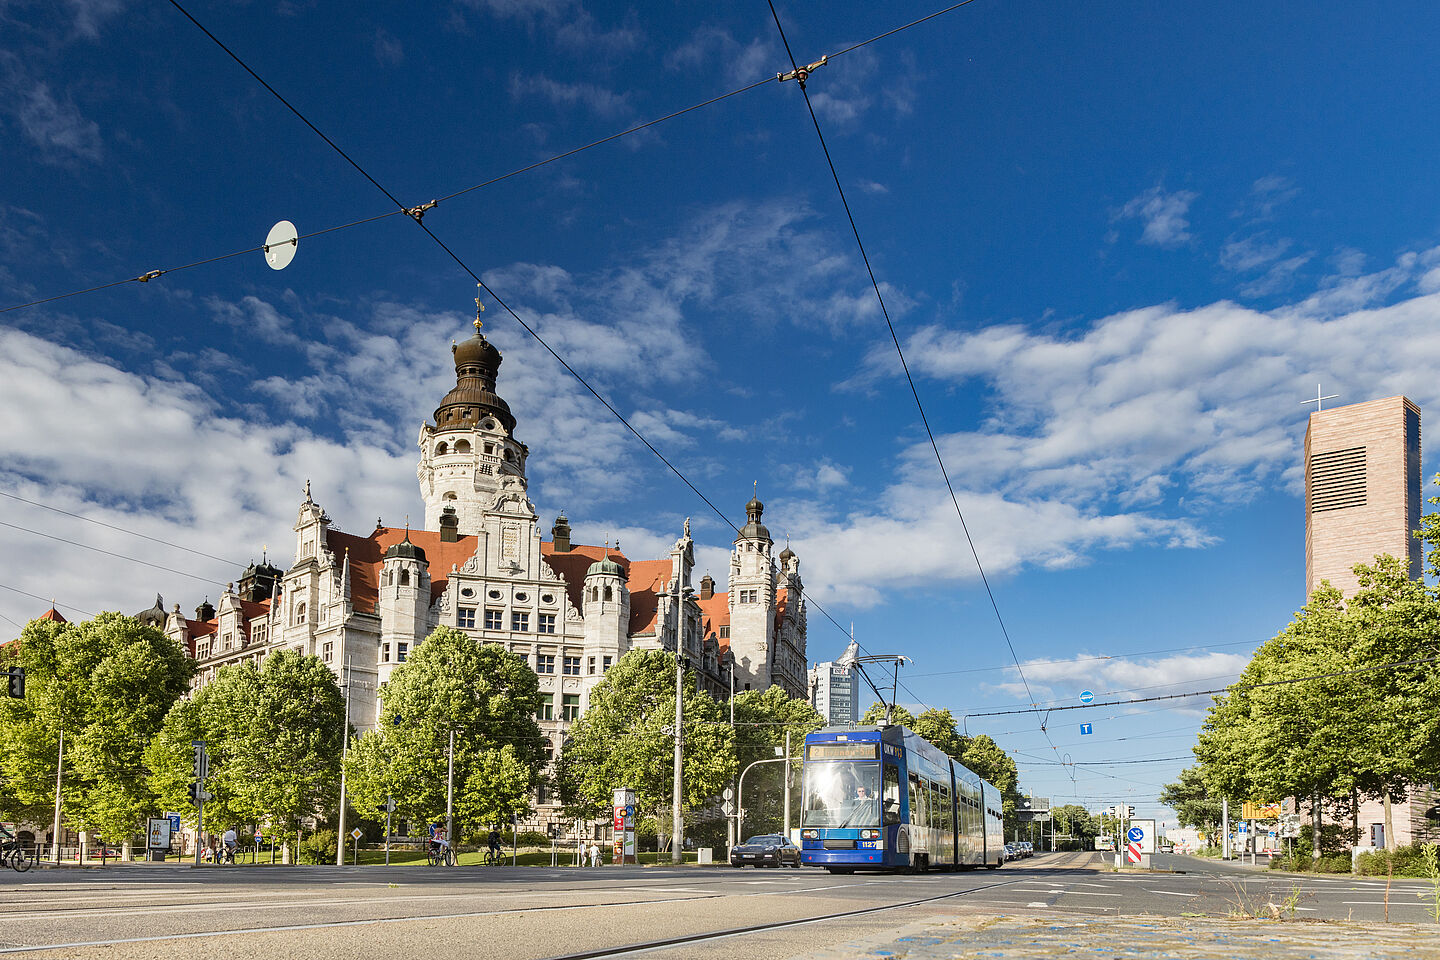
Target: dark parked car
point(766, 850)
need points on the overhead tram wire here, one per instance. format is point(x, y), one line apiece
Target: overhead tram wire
point(417, 214)
point(111, 526)
point(1233, 688)
point(108, 553)
point(800, 76)
point(49, 600)
point(156, 274)
point(1114, 656)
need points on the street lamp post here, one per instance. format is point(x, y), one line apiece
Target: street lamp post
point(344, 752)
point(677, 826)
point(740, 791)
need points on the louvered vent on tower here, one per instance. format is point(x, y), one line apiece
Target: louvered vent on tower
point(1337, 480)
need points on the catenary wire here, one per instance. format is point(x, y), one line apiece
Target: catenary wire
point(482, 285)
point(1233, 688)
point(52, 602)
point(884, 310)
point(111, 526)
point(118, 556)
point(155, 274)
point(1114, 656)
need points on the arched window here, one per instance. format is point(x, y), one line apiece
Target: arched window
point(441, 448)
point(594, 593)
point(404, 578)
point(448, 496)
point(299, 613)
point(607, 593)
point(462, 446)
point(549, 750)
point(389, 577)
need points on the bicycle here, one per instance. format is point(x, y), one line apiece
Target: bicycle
point(437, 854)
point(494, 858)
point(13, 854)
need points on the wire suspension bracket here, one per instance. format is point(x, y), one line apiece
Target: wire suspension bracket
point(801, 74)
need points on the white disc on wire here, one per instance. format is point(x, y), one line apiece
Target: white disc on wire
point(280, 245)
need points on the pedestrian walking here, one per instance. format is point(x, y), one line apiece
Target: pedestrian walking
point(594, 854)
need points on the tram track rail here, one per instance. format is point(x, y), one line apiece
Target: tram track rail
point(706, 937)
point(605, 900)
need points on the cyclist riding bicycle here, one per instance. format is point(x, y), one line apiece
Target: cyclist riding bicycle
point(495, 844)
point(230, 844)
point(438, 842)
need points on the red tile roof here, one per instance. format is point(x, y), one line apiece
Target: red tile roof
point(52, 614)
point(714, 614)
point(576, 563)
point(648, 579)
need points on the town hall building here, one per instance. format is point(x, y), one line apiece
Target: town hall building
point(481, 564)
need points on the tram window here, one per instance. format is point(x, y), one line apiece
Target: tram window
point(917, 812)
point(892, 794)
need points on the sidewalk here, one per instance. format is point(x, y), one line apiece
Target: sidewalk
point(1014, 936)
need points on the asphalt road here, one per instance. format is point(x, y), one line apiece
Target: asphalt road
point(172, 911)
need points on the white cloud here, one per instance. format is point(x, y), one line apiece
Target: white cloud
point(604, 102)
point(1125, 678)
point(1134, 432)
point(57, 126)
point(1163, 215)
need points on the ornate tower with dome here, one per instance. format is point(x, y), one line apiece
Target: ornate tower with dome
point(480, 564)
point(472, 444)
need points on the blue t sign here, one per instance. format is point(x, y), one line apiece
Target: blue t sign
point(1086, 728)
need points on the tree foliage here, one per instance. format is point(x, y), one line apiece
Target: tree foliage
point(1336, 702)
point(762, 718)
point(980, 753)
point(1193, 803)
point(622, 740)
point(273, 732)
point(484, 693)
point(108, 684)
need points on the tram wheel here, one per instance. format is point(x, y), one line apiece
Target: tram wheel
point(844, 870)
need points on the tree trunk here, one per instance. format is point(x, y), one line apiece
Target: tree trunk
point(1389, 827)
point(1315, 826)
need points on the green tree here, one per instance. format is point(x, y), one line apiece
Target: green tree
point(489, 697)
point(273, 732)
point(980, 754)
point(1075, 821)
point(762, 718)
point(1193, 803)
point(622, 741)
point(1398, 620)
point(107, 684)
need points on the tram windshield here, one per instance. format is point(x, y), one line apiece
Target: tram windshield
point(841, 793)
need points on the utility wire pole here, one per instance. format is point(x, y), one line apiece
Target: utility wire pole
point(450, 792)
point(55, 830)
point(344, 752)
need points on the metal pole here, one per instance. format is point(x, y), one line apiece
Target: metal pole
point(55, 830)
point(1224, 828)
point(450, 794)
point(344, 752)
point(389, 809)
point(787, 783)
point(676, 825)
point(732, 825)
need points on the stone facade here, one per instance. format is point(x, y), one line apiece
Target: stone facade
point(1362, 489)
point(482, 566)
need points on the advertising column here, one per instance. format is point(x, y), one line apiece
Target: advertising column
point(624, 826)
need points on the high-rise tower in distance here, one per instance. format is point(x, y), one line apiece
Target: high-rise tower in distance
point(1362, 489)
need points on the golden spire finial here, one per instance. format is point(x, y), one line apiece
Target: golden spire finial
point(479, 309)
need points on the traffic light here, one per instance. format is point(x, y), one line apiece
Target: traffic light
point(1129, 813)
point(17, 683)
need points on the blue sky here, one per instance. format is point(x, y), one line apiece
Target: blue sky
point(1120, 243)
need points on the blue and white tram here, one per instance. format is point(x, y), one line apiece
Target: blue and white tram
point(884, 798)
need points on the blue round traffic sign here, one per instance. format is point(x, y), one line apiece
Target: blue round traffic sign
point(1086, 696)
point(1136, 834)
